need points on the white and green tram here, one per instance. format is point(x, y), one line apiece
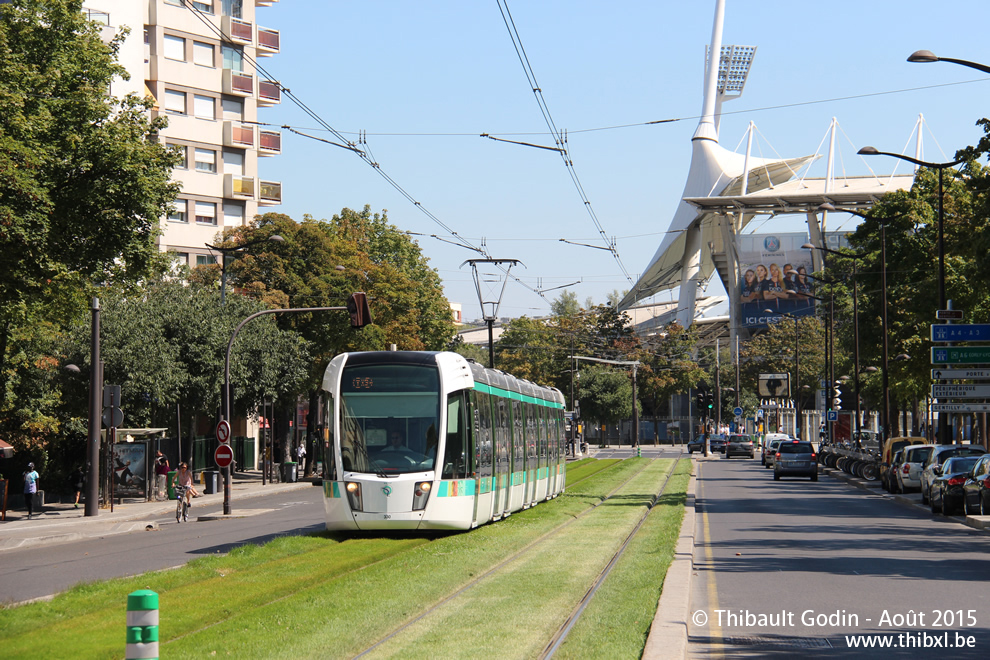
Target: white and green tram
point(424, 440)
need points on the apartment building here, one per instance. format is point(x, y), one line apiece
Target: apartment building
point(198, 59)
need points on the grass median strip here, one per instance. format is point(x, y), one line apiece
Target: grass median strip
point(316, 596)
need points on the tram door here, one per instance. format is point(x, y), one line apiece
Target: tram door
point(502, 469)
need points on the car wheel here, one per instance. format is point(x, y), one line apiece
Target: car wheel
point(931, 503)
point(776, 477)
point(814, 476)
point(946, 509)
point(982, 510)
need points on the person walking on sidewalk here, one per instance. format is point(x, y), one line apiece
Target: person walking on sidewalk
point(301, 456)
point(161, 475)
point(30, 488)
point(77, 483)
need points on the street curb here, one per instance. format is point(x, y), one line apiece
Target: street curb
point(669, 631)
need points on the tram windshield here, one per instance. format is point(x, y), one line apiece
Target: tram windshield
point(390, 418)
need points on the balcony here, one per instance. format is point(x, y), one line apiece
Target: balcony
point(268, 42)
point(238, 187)
point(271, 193)
point(239, 32)
point(269, 93)
point(269, 143)
point(237, 83)
point(236, 134)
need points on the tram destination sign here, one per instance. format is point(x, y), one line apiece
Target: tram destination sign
point(961, 355)
point(961, 374)
point(961, 391)
point(960, 332)
point(960, 407)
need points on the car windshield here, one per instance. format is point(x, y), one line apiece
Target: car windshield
point(739, 438)
point(959, 464)
point(961, 451)
point(919, 455)
point(795, 448)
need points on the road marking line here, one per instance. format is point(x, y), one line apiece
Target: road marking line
point(714, 630)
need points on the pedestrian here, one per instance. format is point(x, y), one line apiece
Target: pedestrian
point(30, 488)
point(301, 456)
point(77, 483)
point(161, 475)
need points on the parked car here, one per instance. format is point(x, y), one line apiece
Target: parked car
point(976, 488)
point(767, 440)
point(895, 464)
point(930, 470)
point(946, 489)
point(696, 444)
point(891, 447)
point(909, 472)
point(717, 443)
point(795, 458)
point(770, 450)
point(739, 445)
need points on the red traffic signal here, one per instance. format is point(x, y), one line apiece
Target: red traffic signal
point(357, 308)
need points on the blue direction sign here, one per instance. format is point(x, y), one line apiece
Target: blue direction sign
point(832, 416)
point(961, 355)
point(961, 332)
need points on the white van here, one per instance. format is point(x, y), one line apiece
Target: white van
point(767, 439)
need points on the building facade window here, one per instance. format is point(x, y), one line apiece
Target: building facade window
point(203, 54)
point(175, 48)
point(233, 162)
point(175, 102)
point(233, 214)
point(233, 59)
point(184, 154)
point(205, 7)
point(206, 160)
point(206, 213)
point(205, 259)
point(232, 8)
point(204, 107)
point(178, 213)
point(233, 109)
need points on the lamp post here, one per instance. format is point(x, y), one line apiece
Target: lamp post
point(224, 251)
point(943, 427)
point(855, 259)
point(929, 56)
point(797, 373)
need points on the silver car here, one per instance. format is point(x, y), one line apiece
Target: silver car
point(909, 471)
point(771, 449)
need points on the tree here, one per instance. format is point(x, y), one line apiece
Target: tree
point(606, 395)
point(83, 183)
point(565, 305)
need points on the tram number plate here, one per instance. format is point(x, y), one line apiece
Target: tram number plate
point(387, 517)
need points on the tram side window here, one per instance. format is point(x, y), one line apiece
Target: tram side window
point(518, 438)
point(483, 434)
point(329, 458)
point(455, 457)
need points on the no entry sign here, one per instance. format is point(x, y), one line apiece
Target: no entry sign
point(224, 455)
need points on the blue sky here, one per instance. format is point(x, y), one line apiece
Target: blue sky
point(425, 78)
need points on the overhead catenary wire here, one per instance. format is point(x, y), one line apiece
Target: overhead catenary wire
point(559, 137)
point(364, 155)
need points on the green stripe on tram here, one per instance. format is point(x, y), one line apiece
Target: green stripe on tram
point(508, 394)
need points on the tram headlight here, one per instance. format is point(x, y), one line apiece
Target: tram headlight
point(353, 489)
point(421, 495)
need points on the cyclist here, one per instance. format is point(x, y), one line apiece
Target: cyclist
point(184, 478)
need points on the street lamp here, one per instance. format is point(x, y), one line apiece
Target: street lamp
point(943, 426)
point(223, 259)
point(929, 56)
point(855, 259)
point(797, 373)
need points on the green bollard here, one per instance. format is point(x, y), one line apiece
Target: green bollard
point(639, 451)
point(142, 625)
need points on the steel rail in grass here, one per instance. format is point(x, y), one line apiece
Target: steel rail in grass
point(529, 546)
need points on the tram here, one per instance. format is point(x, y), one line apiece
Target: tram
point(432, 441)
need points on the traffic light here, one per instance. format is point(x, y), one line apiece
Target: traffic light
point(700, 400)
point(357, 307)
point(710, 400)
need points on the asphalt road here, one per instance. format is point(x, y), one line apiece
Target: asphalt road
point(42, 571)
point(792, 567)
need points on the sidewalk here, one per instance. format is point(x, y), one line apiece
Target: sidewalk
point(61, 523)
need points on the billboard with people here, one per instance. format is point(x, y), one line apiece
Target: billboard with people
point(775, 275)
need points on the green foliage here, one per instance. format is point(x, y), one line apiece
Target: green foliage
point(606, 395)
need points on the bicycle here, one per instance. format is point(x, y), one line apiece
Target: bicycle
point(181, 504)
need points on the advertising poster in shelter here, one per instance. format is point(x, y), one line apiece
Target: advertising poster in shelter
point(774, 275)
point(130, 469)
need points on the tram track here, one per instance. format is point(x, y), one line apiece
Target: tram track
point(534, 551)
